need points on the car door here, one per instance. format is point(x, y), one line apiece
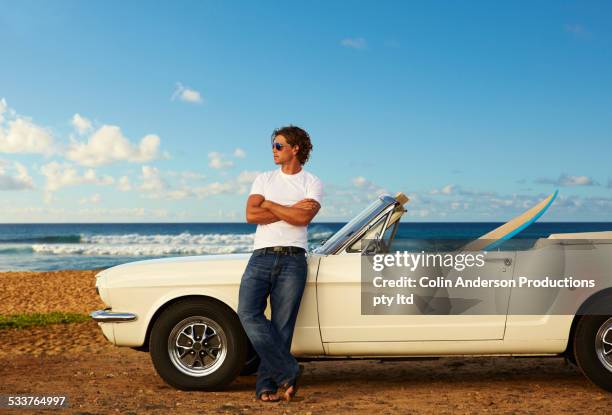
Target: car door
point(341, 319)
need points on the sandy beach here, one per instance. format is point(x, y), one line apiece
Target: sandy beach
point(75, 360)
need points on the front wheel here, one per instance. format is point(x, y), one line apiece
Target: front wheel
point(198, 345)
point(251, 364)
point(593, 349)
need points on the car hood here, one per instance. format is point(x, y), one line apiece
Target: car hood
point(178, 261)
point(177, 270)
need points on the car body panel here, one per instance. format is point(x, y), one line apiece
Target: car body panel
point(143, 287)
point(150, 285)
point(330, 322)
point(537, 346)
point(339, 288)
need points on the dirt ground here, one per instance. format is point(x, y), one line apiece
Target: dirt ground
point(76, 361)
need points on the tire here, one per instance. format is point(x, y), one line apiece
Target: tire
point(593, 349)
point(198, 345)
point(251, 364)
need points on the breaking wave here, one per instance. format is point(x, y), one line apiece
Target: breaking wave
point(151, 245)
point(137, 244)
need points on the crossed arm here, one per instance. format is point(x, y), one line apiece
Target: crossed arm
point(263, 212)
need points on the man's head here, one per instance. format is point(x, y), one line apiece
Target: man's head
point(290, 142)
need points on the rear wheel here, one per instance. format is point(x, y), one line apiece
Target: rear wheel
point(198, 345)
point(593, 349)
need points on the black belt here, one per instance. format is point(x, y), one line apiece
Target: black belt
point(284, 250)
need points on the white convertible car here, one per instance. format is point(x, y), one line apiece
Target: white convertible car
point(183, 311)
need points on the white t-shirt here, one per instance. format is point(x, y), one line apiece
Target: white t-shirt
point(285, 189)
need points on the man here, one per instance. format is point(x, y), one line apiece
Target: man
point(282, 202)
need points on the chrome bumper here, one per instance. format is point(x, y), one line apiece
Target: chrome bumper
point(107, 316)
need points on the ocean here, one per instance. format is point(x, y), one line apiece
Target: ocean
point(44, 247)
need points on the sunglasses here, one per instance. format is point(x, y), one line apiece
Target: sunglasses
point(278, 146)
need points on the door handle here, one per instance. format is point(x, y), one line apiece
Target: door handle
point(507, 261)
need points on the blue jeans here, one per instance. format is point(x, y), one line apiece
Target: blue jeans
point(283, 278)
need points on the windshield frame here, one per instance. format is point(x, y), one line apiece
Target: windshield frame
point(357, 226)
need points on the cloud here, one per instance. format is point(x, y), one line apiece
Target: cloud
point(239, 153)
point(186, 176)
point(354, 42)
point(228, 214)
point(63, 175)
point(95, 214)
point(123, 184)
point(343, 201)
point(186, 94)
point(371, 189)
point(247, 176)
point(23, 136)
point(216, 188)
point(359, 181)
point(151, 180)
point(81, 124)
point(177, 194)
point(464, 204)
point(577, 181)
point(609, 184)
point(482, 205)
point(446, 190)
point(605, 203)
point(155, 186)
point(476, 193)
point(455, 190)
point(93, 199)
point(3, 108)
point(192, 175)
point(14, 176)
point(451, 202)
point(421, 213)
point(568, 181)
point(238, 185)
point(217, 161)
point(108, 145)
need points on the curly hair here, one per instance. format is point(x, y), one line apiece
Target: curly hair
point(296, 136)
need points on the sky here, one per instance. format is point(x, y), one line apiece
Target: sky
point(162, 112)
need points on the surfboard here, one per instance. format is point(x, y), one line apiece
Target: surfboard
point(495, 237)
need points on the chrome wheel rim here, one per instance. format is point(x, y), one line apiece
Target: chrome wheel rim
point(197, 346)
point(603, 344)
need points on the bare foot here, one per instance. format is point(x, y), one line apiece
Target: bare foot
point(269, 397)
point(289, 393)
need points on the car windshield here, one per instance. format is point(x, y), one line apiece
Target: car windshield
point(354, 225)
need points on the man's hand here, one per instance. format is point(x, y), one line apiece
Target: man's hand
point(257, 213)
point(299, 214)
point(309, 204)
